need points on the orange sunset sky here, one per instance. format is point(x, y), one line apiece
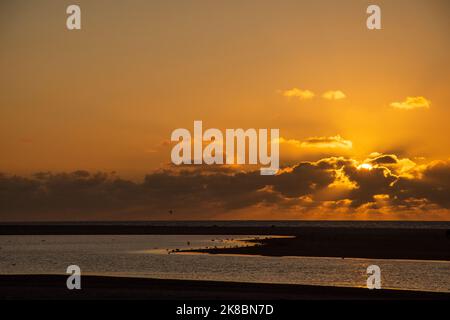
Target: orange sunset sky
point(86, 115)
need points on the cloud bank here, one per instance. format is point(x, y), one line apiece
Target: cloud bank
point(334, 185)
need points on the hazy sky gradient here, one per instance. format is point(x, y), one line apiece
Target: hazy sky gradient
point(107, 97)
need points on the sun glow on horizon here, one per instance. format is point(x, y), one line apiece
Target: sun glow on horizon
point(365, 166)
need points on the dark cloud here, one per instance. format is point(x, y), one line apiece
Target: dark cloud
point(433, 186)
point(385, 159)
point(369, 183)
point(304, 179)
point(201, 192)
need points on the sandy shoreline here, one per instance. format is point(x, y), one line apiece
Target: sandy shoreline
point(103, 287)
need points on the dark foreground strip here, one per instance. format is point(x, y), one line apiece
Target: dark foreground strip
point(49, 287)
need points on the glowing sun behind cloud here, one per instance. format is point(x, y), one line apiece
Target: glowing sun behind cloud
point(365, 166)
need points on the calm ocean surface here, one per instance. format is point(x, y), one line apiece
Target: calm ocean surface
point(147, 256)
